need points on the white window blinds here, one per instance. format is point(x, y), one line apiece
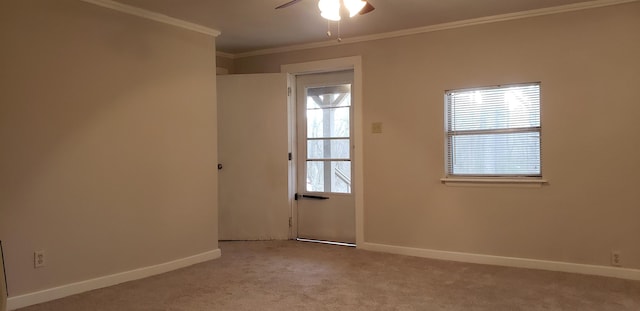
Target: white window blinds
point(494, 131)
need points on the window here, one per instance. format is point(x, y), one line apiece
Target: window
point(328, 118)
point(493, 131)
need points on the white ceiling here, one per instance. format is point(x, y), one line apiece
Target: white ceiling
point(249, 25)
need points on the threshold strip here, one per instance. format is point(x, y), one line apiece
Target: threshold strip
point(326, 242)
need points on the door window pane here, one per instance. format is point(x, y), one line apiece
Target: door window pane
point(341, 177)
point(328, 149)
point(329, 96)
point(315, 176)
point(330, 122)
point(329, 176)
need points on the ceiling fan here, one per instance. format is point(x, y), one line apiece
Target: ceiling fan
point(330, 9)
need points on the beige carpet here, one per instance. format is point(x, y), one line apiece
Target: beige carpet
point(288, 275)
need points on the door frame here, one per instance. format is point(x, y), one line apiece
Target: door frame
point(328, 65)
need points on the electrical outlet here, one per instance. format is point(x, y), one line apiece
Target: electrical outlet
point(616, 260)
point(39, 259)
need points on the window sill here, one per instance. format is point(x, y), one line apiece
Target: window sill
point(498, 182)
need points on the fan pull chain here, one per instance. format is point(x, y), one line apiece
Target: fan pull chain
point(339, 36)
point(328, 28)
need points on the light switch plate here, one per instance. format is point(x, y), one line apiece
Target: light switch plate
point(376, 127)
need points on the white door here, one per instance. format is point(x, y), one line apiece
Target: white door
point(253, 152)
point(325, 200)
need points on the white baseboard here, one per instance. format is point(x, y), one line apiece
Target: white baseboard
point(616, 272)
point(105, 281)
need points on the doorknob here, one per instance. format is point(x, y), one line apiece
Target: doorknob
point(219, 166)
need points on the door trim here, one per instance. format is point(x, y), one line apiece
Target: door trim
point(337, 64)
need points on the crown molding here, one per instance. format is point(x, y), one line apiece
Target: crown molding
point(225, 55)
point(439, 27)
point(128, 9)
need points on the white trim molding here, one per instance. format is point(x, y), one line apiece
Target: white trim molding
point(105, 281)
point(494, 182)
point(225, 55)
point(129, 9)
point(438, 27)
point(615, 272)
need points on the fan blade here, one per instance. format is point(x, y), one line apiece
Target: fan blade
point(367, 8)
point(290, 3)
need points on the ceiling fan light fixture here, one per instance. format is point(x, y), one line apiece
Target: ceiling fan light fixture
point(354, 6)
point(330, 16)
point(330, 9)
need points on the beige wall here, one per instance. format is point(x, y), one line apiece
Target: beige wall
point(589, 65)
point(108, 131)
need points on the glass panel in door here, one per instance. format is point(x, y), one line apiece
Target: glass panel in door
point(328, 147)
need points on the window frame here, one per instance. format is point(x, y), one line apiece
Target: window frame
point(516, 178)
